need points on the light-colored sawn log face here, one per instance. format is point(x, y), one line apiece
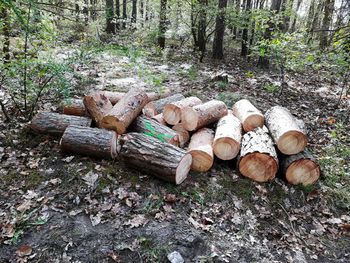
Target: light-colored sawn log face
point(201, 149)
point(98, 105)
point(289, 137)
point(172, 111)
point(90, 142)
point(156, 107)
point(258, 158)
point(194, 118)
point(248, 114)
point(166, 161)
point(184, 135)
point(228, 136)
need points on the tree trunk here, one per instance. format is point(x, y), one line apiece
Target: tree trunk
point(75, 107)
point(201, 149)
point(184, 135)
point(289, 137)
point(248, 114)
point(218, 52)
point(316, 20)
point(301, 168)
point(150, 155)
point(153, 128)
point(162, 23)
point(156, 107)
point(194, 29)
point(89, 141)
point(55, 123)
point(194, 118)
point(244, 50)
point(238, 9)
point(110, 26)
point(326, 23)
point(295, 16)
point(6, 33)
point(117, 14)
point(172, 111)
point(202, 25)
point(125, 17)
point(86, 11)
point(258, 158)
point(98, 105)
point(228, 136)
point(134, 12)
point(125, 111)
point(142, 7)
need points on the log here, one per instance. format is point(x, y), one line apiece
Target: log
point(166, 161)
point(159, 118)
point(156, 107)
point(148, 126)
point(194, 118)
point(55, 123)
point(89, 141)
point(300, 168)
point(172, 111)
point(184, 135)
point(285, 130)
point(74, 107)
point(201, 149)
point(248, 114)
point(228, 136)
point(125, 111)
point(98, 105)
point(258, 158)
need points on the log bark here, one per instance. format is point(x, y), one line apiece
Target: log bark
point(184, 135)
point(55, 123)
point(228, 136)
point(125, 111)
point(148, 126)
point(156, 107)
point(201, 149)
point(289, 137)
point(89, 141)
point(194, 118)
point(248, 114)
point(300, 168)
point(98, 105)
point(150, 155)
point(258, 158)
point(159, 118)
point(75, 107)
point(172, 111)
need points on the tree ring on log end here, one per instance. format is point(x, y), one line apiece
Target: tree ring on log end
point(304, 172)
point(292, 142)
point(201, 161)
point(253, 121)
point(172, 114)
point(226, 148)
point(183, 169)
point(189, 119)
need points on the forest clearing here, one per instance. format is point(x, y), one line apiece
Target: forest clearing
point(175, 131)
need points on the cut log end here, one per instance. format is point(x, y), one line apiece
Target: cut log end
point(304, 172)
point(258, 167)
point(111, 123)
point(292, 142)
point(226, 148)
point(202, 161)
point(172, 114)
point(189, 118)
point(183, 169)
point(253, 121)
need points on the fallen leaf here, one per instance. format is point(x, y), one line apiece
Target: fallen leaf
point(114, 256)
point(170, 198)
point(68, 159)
point(24, 250)
point(90, 178)
point(136, 221)
point(95, 220)
point(24, 206)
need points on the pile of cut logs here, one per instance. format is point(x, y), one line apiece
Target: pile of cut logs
point(168, 135)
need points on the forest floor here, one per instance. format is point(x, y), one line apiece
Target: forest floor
point(61, 208)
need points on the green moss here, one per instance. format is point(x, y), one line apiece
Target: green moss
point(33, 179)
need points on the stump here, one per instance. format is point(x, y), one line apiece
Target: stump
point(159, 118)
point(300, 168)
point(172, 111)
point(289, 137)
point(75, 107)
point(150, 155)
point(184, 135)
point(89, 141)
point(228, 135)
point(98, 105)
point(258, 158)
point(248, 114)
point(201, 149)
point(148, 126)
point(156, 107)
point(55, 123)
point(194, 118)
point(125, 111)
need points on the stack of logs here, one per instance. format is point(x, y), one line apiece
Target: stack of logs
point(169, 135)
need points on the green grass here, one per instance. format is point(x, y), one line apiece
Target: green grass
point(229, 98)
point(271, 88)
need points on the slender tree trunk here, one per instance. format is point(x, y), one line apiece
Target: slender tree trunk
point(287, 6)
point(134, 12)
point(194, 23)
point(117, 14)
point(202, 25)
point(162, 23)
point(6, 32)
point(124, 14)
point(142, 7)
point(147, 10)
point(110, 26)
point(86, 11)
point(295, 16)
point(218, 52)
point(235, 29)
point(77, 12)
point(244, 50)
point(326, 23)
point(315, 20)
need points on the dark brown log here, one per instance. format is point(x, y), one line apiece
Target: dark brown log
point(201, 149)
point(184, 135)
point(55, 123)
point(285, 130)
point(248, 114)
point(159, 118)
point(172, 111)
point(156, 107)
point(98, 105)
point(89, 141)
point(150, 155)
point(143, 124)
point(75, 107)
point(258, 158)
point(300, 168)
point(125, 111)
point(194, 118)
